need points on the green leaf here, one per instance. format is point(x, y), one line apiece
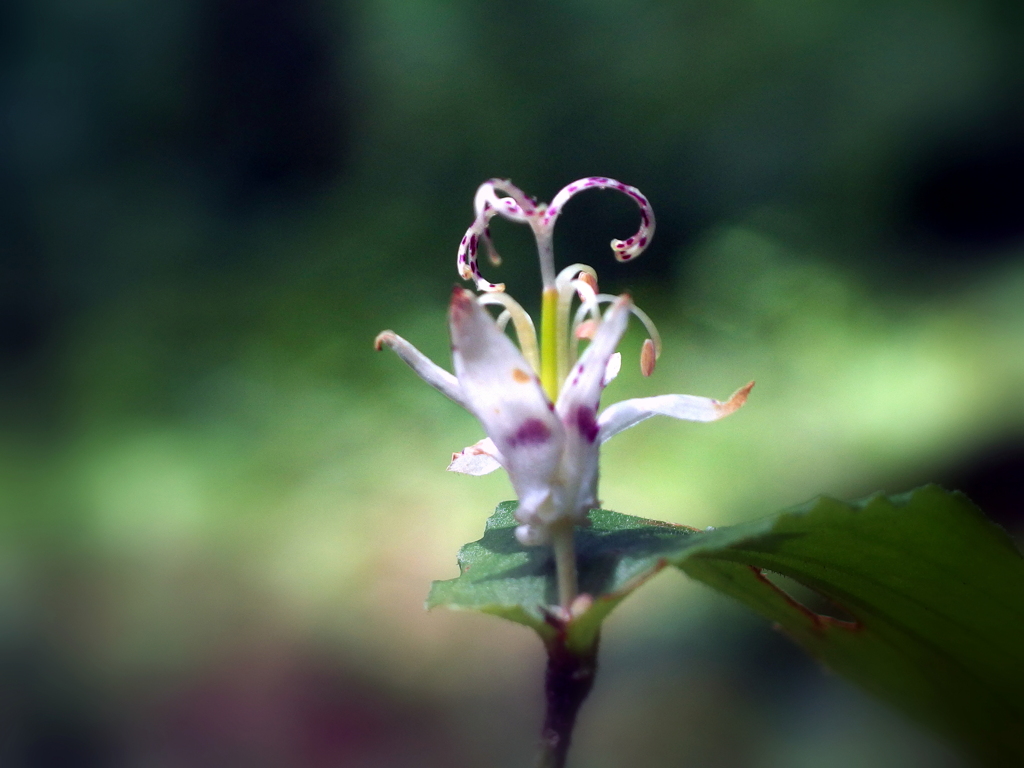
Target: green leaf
point(614, 555)
point(935, 593)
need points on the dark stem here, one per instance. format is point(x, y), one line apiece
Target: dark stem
point(567, 682)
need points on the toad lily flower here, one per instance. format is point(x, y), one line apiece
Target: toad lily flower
point(538, 403)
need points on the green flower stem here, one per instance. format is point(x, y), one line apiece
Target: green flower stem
point(567, 682)
point(565, 564)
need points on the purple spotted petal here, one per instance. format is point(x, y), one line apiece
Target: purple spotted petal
point(481, 458)
point(504, 394)
point(586, 379)
point(577, 408)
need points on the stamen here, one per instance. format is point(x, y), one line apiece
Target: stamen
point(652, 331)
point(591, 307)
point(648, 353)
point(588, 299)
point(589, 279)
point(588, 304)
point(647, 358)
point(576, 279)
point(585, 330)
point(526, 332)
point(624, 250)
point(566, 292)
point(577, 271)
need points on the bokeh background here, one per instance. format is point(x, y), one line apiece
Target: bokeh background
point(221, 510)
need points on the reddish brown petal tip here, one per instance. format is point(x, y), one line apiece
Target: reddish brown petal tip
point(461, 303)
point(737, 400)
point(383, 338)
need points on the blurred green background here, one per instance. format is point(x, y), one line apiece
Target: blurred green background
point(220, 510)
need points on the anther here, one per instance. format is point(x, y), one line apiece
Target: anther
point(586, 329)
point(648, 357)
point(589, 279)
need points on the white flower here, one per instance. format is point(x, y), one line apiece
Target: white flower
point(539, 406)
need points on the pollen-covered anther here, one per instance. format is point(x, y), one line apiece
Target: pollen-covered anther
point(648, 357)
point(589, 279)
point(586, 329)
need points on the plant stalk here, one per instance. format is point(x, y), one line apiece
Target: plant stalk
point(563, 544)
point(567, 682)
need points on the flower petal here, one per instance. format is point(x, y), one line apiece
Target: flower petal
point(586, 379)
point(628, 413)
point(481, 458)
point(577, 408)
point(611, 370)
point(505, 395)
point(429, 371)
